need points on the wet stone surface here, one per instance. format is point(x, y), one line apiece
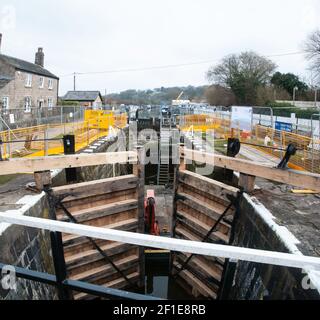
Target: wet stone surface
point(299, 213)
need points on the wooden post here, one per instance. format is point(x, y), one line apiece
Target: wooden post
point(46, 143)
point(182, 165)
point(139, 171)
point(174, 212)
point(247, 182)
point(69, 147)
point(135, 168)
point(42, 178)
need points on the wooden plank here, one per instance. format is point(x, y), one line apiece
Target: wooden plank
point(102, 211)
point(197, 285)
point(201, 228)
point(219, 262)
point(105, 269)
point(304, 192)
point(81, 203)
point(116, 221)
point(224, 227)
point(97, 263)
point(116, 277)
point(192, 229)
point(204, 197)
point(213, 212)
point(83, 260)
point(116, 284)
point(15, 166)
point(207, 185)
point(206, 249)
point(201, 271)
point(97, 187)
point(214, 206)
point(295, 178)
point(185, 234)
point(75, 244)
point(211, 268)
point(87, 269)
point(82, 247)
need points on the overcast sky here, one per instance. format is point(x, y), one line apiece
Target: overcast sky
point(96, 35)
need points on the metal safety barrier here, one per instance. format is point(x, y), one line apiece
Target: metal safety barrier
point(262, 138)
point(46, 139)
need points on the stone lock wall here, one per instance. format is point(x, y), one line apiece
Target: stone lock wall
point(253, 281)
point(28, 248)
point(108, 170)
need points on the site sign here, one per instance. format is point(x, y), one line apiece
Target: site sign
point(283, 126)
point(241, 118)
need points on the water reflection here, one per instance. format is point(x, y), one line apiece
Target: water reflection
point(158, 283)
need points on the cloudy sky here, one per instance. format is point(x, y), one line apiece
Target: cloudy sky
point(113, 35)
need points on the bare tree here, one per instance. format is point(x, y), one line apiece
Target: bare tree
point(312, 48)
point(220, 96)
point(243, 74)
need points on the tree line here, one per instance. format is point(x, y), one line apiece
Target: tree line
point(239, 79)
point(250, 79)
point(157, 96)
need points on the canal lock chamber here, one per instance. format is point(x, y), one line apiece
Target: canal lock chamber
point(187, 210)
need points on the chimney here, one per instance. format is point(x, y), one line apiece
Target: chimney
point(39, 58)
point(0, 41)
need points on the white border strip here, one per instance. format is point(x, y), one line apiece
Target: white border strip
point(200, 248)
point(26, 202)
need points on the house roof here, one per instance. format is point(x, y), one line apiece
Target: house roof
point(27, 66)
point(4, 80)
point(82, 96)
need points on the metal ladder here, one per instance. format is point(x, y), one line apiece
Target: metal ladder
point(164, 153)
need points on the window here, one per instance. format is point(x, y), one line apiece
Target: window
point(27, 104)
point(29, 80)
point(50, 103)
point(50, 84)
point(5, 103)
point(40, 103)
point(41, 82)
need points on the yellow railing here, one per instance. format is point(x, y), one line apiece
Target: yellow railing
point(199, 122)
point(96, 125)
point(308, 154)
point(121, 121)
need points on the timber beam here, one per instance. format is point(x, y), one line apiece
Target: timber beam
point(25, 165)
point(290, 177)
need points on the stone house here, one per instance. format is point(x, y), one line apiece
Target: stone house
point(89, 99)
point(25, 85)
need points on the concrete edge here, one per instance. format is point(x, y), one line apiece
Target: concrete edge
point(284, 235)
point(27, 202)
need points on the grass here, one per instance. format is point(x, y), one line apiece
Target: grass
point(219, 145)
point(7, 178)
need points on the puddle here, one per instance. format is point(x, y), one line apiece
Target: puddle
point(159, 283)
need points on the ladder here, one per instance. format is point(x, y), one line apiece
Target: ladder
point(164, 153)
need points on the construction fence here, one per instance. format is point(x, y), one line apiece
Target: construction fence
point(47, 139)
point(266, 139)
point(19, 118)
